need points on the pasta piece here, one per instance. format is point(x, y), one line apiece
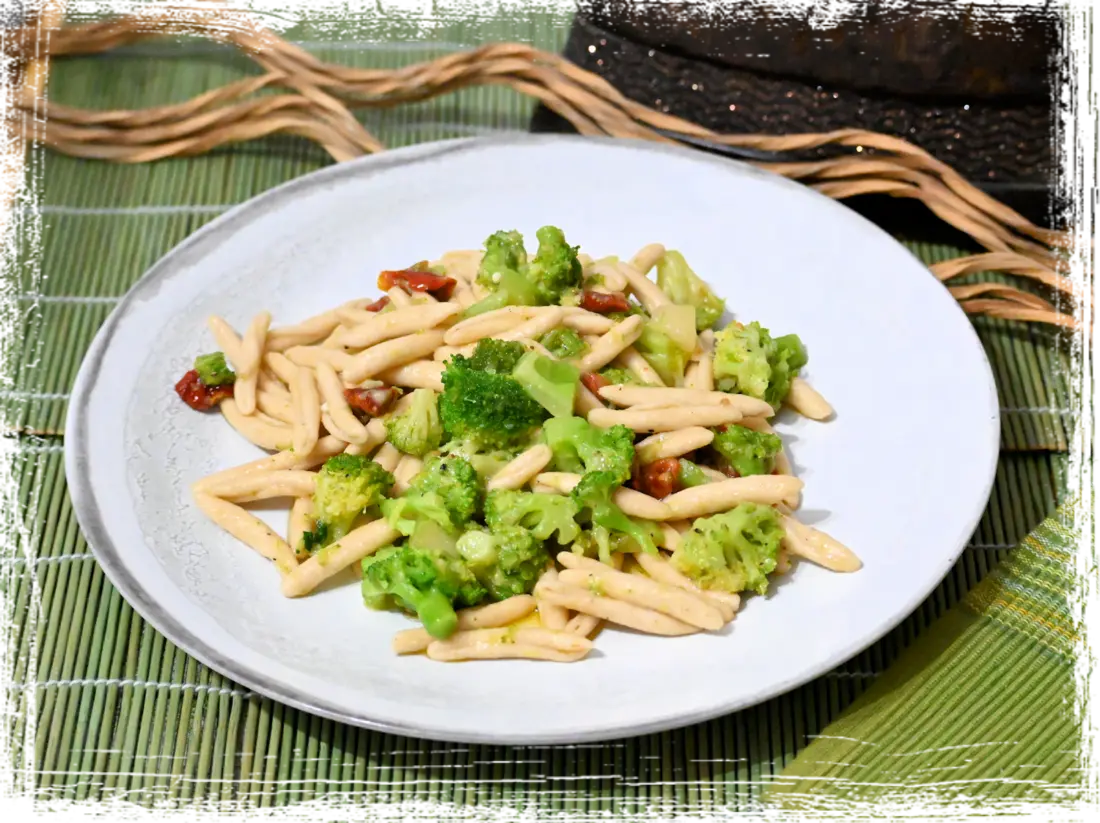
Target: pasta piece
point(632, 361)
point(423, 374)
point(522, 469)
point(648, 293)
point(632, 502)
point(309, 356)
point(613, 279)
point(283, 461)
point(250, 530)
point(275, 405)
point(700, 372)
point(492, 616)
point(782, 561)
point(461, 264)
point(664, 418)
point(806, 400)
point(392, 353)
point(817, 547)
point(583, 624)
point(376, 436)
point(312, 330)
point(388, 325)
point(265, 485)
point(256, 431)
point(406, 469)
point(640, 591)
point(227, 339)
point(388, 457)
point(660, 569)
point(673, 443)
point(719, 497)
point(399, 297)
point(647, 257)
point(551, 616)
point(488, 324)
point(586, 322)
point(611, 344)
point(545, 320)
point(252, 349)
point(615, 611)
point(510, 643)
point(332, 390)
point(299, 522)
point(281, 366)
point(307, 410)
point(651, 396)
point(334, 558)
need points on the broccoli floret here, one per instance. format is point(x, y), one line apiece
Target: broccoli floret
point(662, 353)
point(618, 377)
point(593, 493)
point(691, 475)
point(506, 560)
point(553, 383)
point(491, 410)
point(555, 269)
point(448, 491)
point(747, 360)
point(580, 447)
point(746, 451)
point(564, 343)
point(486, 463)
point(347, 486)
point(496, 356)
point(685, 287)
point(732, 551)
point(419, 430)
point(503, 271)
point(504, 251)
point(428, 583)
point(213, 370)
point(541, 514)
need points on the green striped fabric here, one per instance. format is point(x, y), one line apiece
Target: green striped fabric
point(984, 698)
point(102, 706)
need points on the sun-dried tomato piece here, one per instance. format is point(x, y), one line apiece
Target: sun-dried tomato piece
point(371, 402)
point(378, 304)
point(604, 302)
point(659, 478)
point(438, 285)
point(594, 382)
point(200, 396)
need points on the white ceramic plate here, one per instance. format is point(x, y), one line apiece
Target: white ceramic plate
point(901, 475)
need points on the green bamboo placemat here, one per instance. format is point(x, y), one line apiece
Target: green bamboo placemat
point(122, 713)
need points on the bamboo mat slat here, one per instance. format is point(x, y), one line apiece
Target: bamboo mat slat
point(121, 712)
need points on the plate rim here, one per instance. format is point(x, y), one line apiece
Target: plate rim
point(90, 517)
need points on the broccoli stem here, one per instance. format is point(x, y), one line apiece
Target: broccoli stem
point(434, 610)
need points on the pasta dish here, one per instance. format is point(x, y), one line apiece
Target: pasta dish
point(519, 449)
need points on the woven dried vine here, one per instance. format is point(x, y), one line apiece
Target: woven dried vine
point(317, 99)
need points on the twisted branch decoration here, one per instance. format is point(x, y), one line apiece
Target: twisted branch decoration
point(318, 98)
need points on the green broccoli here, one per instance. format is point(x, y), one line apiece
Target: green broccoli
point(419, 430)
point(564, 343)
point(747, 360)
point(347, 485)
point(662, 353)
point(746, 451)
point(732, 551)
point(503, 271)
point(428, 583)
point(489, 409)
point(485, 463)
point(684, 286)
point(691, 475)
point(555, 269)
point(507, 560)
point(619, 377)
point(448, 491)
point(553, 383)
point(593, 494)
point(580, 447)
point(496, 356)
point(213, 370)
point(541, 514)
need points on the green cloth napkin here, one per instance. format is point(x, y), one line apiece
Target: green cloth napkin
point(982, 705)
